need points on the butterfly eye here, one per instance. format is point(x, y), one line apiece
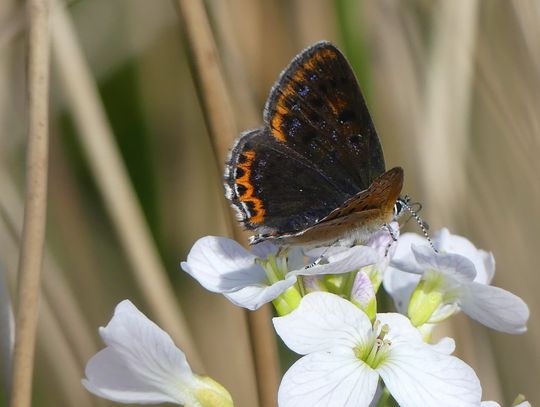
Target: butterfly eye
point(398, 208)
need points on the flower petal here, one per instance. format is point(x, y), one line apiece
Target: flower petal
point(222, 265)
point(109, 376)
point(403, 258)
point(494, 307)
point(417, 375)
point(489, 266)
point(343, 262)
point(445, 345)
point(141, 362)
point(321, 322)
point(255, 296)
point(324, 379)
point(483, 261)
point(295, 258)
point(7, 327)
point(362, 292)
point(264, 249)
point(453, 265)
point(400, 285)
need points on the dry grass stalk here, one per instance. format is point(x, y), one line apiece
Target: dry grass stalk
point(66, 367)
point(63, 338)
point(219, 116)
point(111, 176)
point(214, 95)
point(33, 236)
point(56, 290)
point(247, 115)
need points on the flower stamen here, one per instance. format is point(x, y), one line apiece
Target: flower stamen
point(376, 348)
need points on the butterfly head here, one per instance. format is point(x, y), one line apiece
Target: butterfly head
point(404, 204)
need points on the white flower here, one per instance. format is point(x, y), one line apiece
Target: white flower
point(458, 276)
point(495, 404)
point(251, 279)
point(345, 355)
point(384, 243)
point(363, 293)
point(7, 327)
point(142, 365)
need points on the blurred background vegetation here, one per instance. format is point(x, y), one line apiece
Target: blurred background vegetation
point(454, 89)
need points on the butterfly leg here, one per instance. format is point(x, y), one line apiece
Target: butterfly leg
point(319, 260)
point(392, 234)
point(322, 259)
point(391, 231)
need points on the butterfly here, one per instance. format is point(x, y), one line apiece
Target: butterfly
point(314, 173)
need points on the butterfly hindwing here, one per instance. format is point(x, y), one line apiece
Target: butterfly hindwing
point(316, 108)
point(355, 219)
point(382, 195)
point(274, 188)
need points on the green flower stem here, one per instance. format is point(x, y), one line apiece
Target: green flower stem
point(334, 283)
point(385, 397)
point(288, 301)
point(348, 284)
point(300, 284)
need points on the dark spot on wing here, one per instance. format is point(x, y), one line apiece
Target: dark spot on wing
point(241, 189)
point(242, 158)
point(239, 172)
point(317, 102)
point(314, 117)
point(346, 115)
point(309, 136)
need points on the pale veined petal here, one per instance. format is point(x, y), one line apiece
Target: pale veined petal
point(494, 307)
point(222, 265)
point(108, 376)
point(362, 292)
point(325, 379)
point(418, 376)
point(456, 266)
point(255, 296)
point(343, 262)
point(404, 243)
point(483, 261)
point(140, 363)
point(321, 322)
point(400, 285)
point(7, 327)
point(445, 345)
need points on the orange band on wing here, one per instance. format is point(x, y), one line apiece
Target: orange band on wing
point(277, 120)
point(248, 196)
point(289, 91)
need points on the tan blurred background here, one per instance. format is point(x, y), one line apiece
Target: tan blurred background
point(454, 89)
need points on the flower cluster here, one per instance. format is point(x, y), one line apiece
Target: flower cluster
point(352, 354)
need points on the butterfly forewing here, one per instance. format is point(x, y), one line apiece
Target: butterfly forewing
point(316, 108)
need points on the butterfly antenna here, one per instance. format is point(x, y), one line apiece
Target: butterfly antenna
point(405, 202)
